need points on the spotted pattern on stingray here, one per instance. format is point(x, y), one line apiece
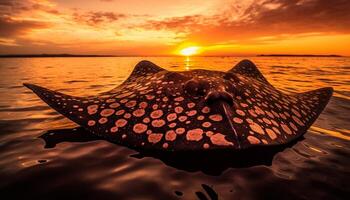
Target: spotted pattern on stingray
point(158, 109)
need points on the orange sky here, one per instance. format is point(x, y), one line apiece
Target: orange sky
point(162, 27)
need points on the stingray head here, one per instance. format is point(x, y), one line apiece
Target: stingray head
point(192, 110)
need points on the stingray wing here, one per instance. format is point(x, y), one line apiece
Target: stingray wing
point(248, 69)
point(110, 111)
point(266, 116)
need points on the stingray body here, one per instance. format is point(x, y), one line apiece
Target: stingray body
point(157, 109)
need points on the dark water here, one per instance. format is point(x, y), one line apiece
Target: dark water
point(45, 156)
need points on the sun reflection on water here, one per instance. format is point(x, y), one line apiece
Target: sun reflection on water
point(187, 63)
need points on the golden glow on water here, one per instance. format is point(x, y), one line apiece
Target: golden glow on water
point(187, 63)
point(329, 132)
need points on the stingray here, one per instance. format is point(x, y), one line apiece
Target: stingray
point(157, 109)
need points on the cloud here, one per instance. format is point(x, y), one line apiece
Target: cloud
point(11, 28)
point(262, 18)
point(300, 16)
point(95, 18)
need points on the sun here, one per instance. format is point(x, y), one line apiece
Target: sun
point(189, 51)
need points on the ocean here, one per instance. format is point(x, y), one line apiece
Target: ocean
point(45, 156)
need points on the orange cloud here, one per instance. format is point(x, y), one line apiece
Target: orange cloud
point(95, 18)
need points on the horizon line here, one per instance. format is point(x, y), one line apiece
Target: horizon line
point(164, 55)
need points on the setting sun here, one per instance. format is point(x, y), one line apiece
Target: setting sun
point(189, 51)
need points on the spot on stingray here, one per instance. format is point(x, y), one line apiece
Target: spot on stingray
point(191, 105)
point(92, 109)
point(191, 113)
point(267, 121)
point(178, 109)
point(252, 113)
point(131, 104)
point(286, 129)
point(171, 117)
point(127, 115)
point(194, 134)
point(103, 120)
point(114, 129)
point(179, 99)
point(244, 105)
point(219, 139)
point(158, 123)
point(156, 114)
point(146, 120)
point(216, 117)
point(114, 105)
point(206, 124)
point(140, 128)
point(121, 122)
point(149, 97)
point(253, 140)
point(154, 137)
point(120, 112)
point(271, 133)
point(107, 112)
point(296, 112)
point(209, 133)
point(180, 131)
point(297, 120)
point(240, 112)
point(200, 117)
point(138, 112)
point(276, 130)
point(110, 100)
point(170, 135)
point(143, 104)
point(91, 123)
point(237, 120)
point(206, 109)
point(165, 145)
point(182, 118)
point(256, 128)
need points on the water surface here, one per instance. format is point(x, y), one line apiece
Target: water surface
point(45, 156)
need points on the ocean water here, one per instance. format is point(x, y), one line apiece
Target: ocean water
point(45, 156)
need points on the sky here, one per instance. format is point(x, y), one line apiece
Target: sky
point(164, 27)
